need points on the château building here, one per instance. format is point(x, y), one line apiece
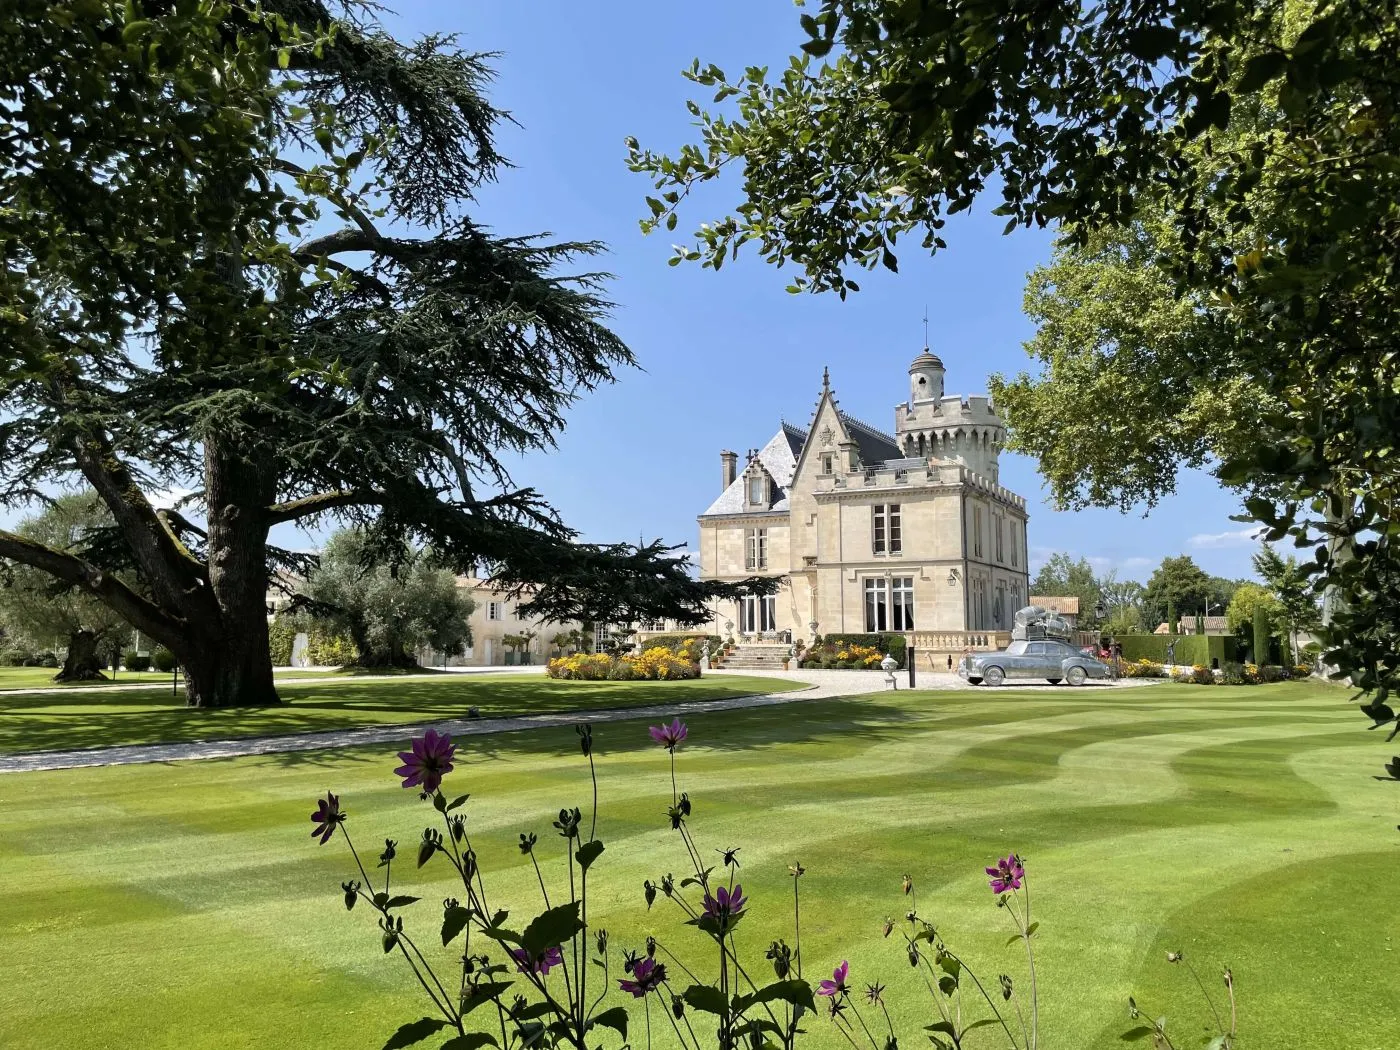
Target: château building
point(906, 531)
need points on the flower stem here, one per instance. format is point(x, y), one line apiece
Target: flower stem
point(1205, 994)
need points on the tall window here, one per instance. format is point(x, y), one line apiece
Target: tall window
point(495, 610)
point(758, 491)
point(902, 603)
point(828, 460)
point(889, 604)
point(756, 549)
point(758, 615)
point(977, 532)
point(1001, 550)
point(1014, 545)
point(886, 535)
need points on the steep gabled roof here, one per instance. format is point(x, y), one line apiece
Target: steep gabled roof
point(780, 461)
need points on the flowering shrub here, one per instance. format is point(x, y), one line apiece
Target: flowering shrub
point(1196, 675)
point(529, 983)
point(657, 663)
point(1143, 668)
point(849, 656)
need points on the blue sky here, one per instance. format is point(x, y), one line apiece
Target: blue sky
point(725, 356)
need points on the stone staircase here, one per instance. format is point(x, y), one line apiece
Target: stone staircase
point(756, 658)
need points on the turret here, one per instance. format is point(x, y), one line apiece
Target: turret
point(925, 378)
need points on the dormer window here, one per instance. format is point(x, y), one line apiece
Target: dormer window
point(827, 461)
point(758, 491)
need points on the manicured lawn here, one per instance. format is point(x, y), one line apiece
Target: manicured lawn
point(44, 722)
point(186, 906)
point(42, 678)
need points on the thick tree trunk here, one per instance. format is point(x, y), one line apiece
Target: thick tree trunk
point(393, 656)
point(82, 663)
point(229, 664)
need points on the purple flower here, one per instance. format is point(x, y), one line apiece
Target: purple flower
point(647, 975)
point(551, 957)
point(837, 984)
point(1007, 874)
point(328, 814)
point(428, 762)
point(725, 905)
point(669, 736)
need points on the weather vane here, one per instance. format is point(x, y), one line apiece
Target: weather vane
point(925, 326)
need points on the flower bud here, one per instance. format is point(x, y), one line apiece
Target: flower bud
point(913, 954)
point(651, 947)
point(685, 804)
point(649, 892)
point(389, 851)
point(458, 824)
point(888, 927)
point(600, 940)
point(908, 885)
point(677, 1007)
point(585, 738)
point(1006, 987)
point(352, 893)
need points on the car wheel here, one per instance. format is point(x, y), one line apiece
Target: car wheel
point(993, 676)
point(975, 681)
point(1053, 681)
point(1076, 676)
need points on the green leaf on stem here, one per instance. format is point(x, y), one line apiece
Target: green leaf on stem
point(454, 921)
point(946, 1027)
point(457, 802)
point(1134, 1034)
point(588, 853)
point(551, 929)
point(481, 994)
point(703, 997)
point(797, 992)
point(616, 1019)
point(399, 902)
point(414, 1032)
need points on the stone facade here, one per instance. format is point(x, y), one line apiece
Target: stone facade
point(904, 531)
point(496, 615)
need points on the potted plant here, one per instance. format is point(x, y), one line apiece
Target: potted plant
point(512, 642)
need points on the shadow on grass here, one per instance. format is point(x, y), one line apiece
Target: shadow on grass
point(49, 723)
point(862, 718)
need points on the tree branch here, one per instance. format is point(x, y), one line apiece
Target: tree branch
point(144, 615)
point(322, 502)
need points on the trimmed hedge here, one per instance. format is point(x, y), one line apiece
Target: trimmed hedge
point(163, 659)
point(134, 661)
point(1190, 648)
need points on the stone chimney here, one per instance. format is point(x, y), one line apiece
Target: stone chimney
point(729, 467)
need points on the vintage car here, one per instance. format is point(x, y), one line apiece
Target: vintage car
point(1055, 661)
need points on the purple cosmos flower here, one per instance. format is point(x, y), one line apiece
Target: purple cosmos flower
point(1007, 874)
point(647, 975)
point(726, 904)
point(551, 957)
point(837, 984)
point(428, 762)
point(328, 814)
point(669, 736)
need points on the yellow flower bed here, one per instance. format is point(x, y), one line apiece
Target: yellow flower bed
point(658, 664)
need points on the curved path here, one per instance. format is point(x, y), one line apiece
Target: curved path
point(818, 685)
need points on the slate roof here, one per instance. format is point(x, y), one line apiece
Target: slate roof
point(875, 445)
point(779, 459)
